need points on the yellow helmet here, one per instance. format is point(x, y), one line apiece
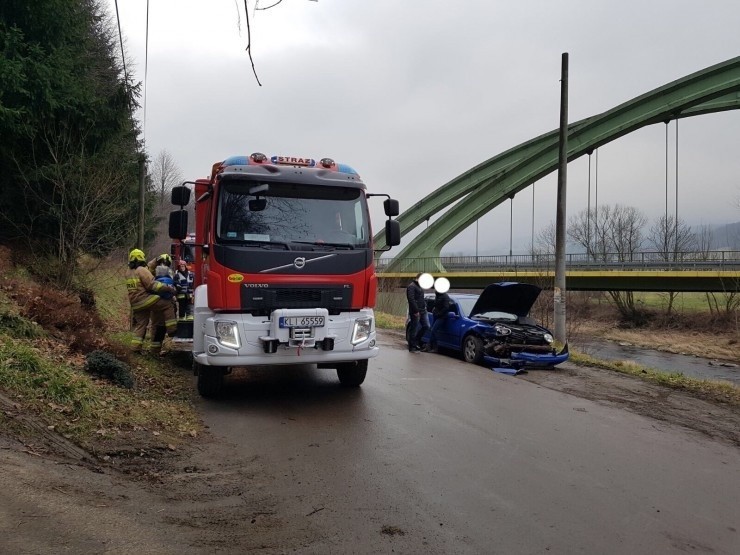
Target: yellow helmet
point(165, 259)
point(136, 255)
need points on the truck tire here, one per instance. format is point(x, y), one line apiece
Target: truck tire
point(352, 374)
point(472, 350)
point(210, 379)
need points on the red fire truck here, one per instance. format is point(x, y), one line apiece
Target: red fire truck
point(284, 266)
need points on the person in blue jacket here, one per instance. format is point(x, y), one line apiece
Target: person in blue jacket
point(163, 276)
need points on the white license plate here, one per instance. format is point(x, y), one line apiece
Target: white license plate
point(302, 321)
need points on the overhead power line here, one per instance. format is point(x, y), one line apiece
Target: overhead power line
point(120, 39)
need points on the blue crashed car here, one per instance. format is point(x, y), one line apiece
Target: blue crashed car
point(494, 328)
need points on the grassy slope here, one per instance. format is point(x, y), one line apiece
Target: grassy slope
point(43, 374)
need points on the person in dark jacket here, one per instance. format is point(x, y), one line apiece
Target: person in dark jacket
point(418, 317)
point(442, 306)
point(184, 285)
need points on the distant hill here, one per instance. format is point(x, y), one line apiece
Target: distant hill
point(726, 237)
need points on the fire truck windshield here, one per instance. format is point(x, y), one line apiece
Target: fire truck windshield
point(285, 213)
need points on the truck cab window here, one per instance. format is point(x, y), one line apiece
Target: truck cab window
point(292, 212)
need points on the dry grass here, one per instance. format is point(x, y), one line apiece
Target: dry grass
point(701, 343)
point(44, 337)
point(718, 392)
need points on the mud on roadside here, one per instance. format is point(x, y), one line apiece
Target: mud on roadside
point(718, 421)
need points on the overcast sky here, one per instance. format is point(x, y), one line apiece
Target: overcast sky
point(412, 93)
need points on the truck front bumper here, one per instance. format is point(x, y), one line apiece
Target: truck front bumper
point(346, 337)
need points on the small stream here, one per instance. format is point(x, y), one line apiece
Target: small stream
point(694, 367)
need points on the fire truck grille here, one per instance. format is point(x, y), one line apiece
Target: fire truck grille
point(297, 298)
point(264, 300)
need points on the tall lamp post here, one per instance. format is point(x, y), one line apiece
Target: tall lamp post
point(559, 288)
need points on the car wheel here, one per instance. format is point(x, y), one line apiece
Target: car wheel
point(210, 379)
point(472, 349)
point(352, 374)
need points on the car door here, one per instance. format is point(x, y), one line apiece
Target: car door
point(450, 334)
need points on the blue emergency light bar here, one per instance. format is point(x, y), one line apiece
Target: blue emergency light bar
point(258, 158)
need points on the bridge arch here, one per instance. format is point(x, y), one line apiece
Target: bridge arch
point(485, 186)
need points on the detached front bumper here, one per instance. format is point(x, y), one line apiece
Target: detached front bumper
point(528, 360)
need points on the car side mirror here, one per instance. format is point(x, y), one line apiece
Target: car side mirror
point(452, 314)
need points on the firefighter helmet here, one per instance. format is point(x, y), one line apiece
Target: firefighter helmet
point(136, 255)
point(165, 259)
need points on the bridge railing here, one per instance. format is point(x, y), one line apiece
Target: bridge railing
point(647, 260)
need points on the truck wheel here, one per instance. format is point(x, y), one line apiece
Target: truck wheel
point(352, 374)
point(210, 379)
point(473, 349)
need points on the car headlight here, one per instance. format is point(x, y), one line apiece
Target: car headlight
point(227, 334)
point(361, 330)
point(548, 337)
point(501, 330)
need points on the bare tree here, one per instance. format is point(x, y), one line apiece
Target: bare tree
point(615, 236)
point(670, 240)
point(164, 175)
point(82, 200)
point(544, 241)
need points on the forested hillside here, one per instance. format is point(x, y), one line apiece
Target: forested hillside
point(70, 149)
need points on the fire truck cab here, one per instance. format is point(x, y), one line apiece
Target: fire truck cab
point(284, 266)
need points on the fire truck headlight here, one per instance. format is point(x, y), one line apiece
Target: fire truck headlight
point(361, 330)
point(227, 334)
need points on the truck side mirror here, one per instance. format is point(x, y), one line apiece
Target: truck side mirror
point(178, 227)
point(391, 207)
point(180, 195)
point(392, 232)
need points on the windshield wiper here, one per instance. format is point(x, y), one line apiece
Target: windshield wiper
point(324, 244)
point(267, 245)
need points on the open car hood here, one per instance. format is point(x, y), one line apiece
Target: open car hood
point(507, 296)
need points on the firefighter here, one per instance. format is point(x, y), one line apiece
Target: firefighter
point(143, 294)
point(162, 260)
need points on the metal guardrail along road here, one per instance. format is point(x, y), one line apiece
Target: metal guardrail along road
point(714, 271)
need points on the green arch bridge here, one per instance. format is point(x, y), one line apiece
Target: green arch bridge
point(485, 186)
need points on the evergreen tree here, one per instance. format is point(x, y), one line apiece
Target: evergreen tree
point(69, 145)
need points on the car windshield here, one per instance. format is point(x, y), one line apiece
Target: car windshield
point(497, 315)
point(466, 304)
point(281, 214)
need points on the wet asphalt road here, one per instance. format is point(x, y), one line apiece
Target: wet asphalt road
point(432, 455)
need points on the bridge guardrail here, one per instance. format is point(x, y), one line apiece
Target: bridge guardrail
point(647, 260)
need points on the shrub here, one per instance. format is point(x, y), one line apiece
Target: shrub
point(19, 328)
point(106, 365)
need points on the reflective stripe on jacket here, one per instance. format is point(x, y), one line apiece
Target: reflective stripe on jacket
point(142, 288)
